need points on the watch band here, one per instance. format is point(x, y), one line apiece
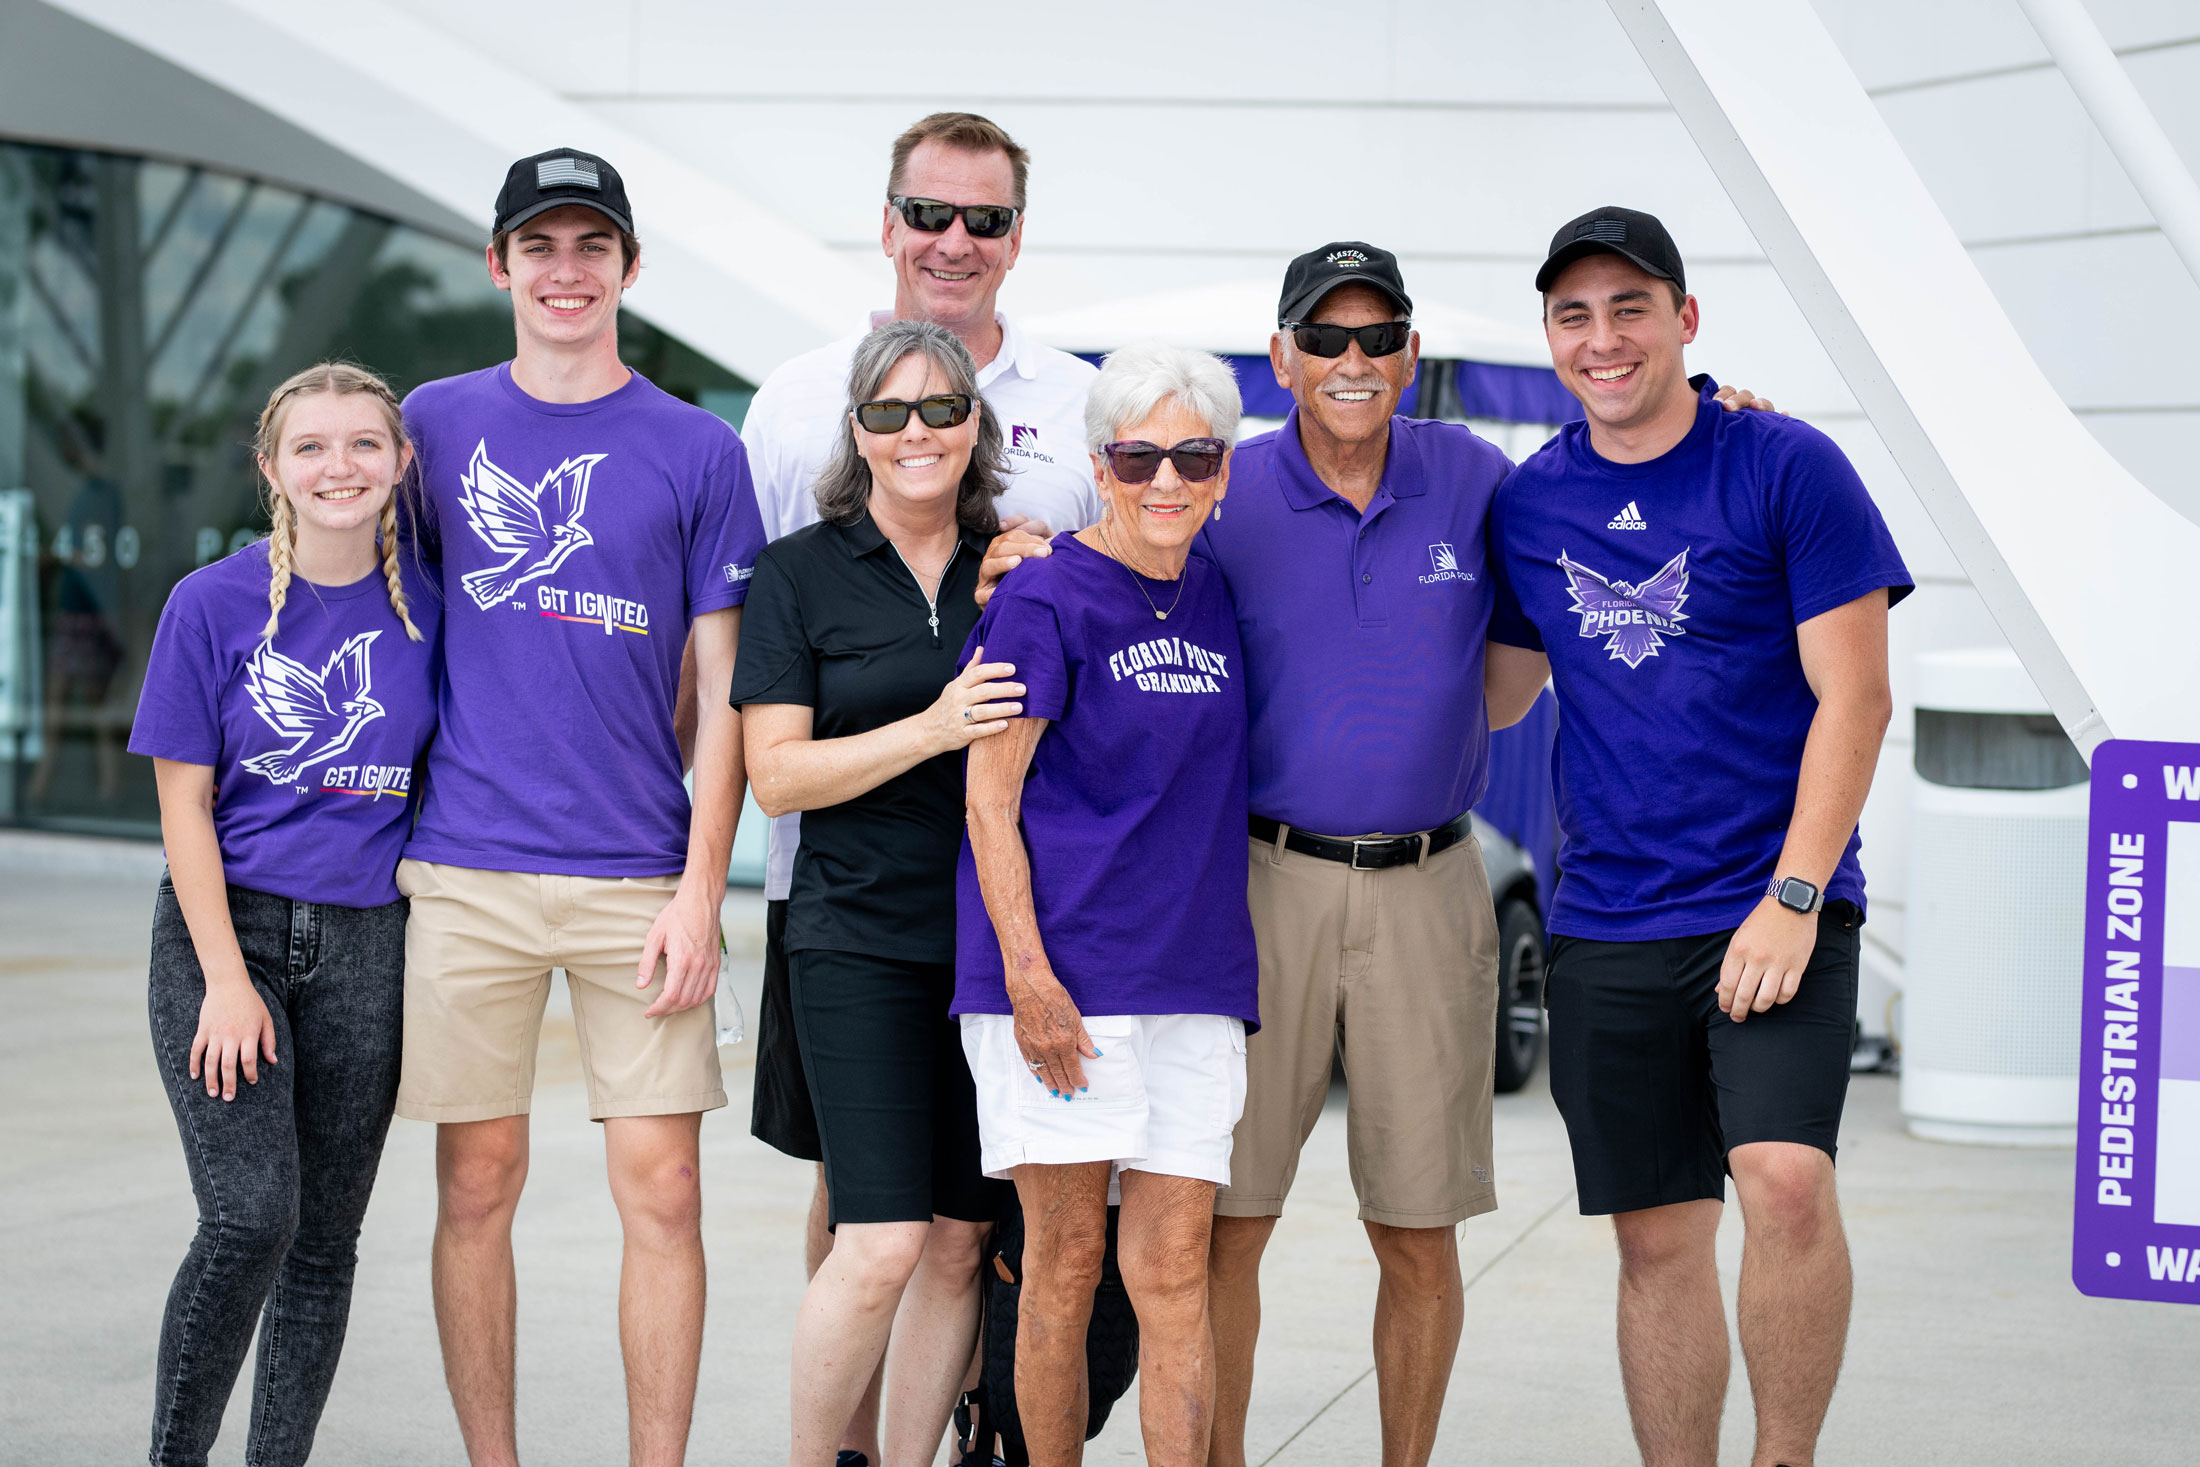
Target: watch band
point(1817, 898)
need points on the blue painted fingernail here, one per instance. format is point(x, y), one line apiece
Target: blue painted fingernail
point(1099, 1054)
point(1052, 1091)
point(1084, 1089)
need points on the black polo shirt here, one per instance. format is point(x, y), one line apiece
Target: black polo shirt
point(835, 621)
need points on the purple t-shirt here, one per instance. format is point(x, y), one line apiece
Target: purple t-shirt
point(1134, 809)
point(1667, 594)
point(1363, 632)
point(313, 738)
point(576, 543)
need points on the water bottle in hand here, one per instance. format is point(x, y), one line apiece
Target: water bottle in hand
point(729, 1007)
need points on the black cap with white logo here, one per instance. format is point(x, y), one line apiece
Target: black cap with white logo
point(1347, 262)
point(1628, 233)
point(554, 179)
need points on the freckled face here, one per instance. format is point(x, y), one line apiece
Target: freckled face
point(336, 460)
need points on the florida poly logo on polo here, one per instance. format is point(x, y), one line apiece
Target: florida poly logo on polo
point(1023, 442)
point(320, 714)
point(1443, 565)
point(1634, 620)
point(537, 529)
point(1169, 665)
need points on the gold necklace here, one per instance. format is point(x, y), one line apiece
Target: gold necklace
point(1135, 573)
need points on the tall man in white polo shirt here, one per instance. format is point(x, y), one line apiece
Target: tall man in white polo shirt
point(953, 226)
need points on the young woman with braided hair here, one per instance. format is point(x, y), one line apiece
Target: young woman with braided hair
point(289, 698)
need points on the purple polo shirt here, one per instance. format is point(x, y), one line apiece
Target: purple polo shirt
point(1363, 633)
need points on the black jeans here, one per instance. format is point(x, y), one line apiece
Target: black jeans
point(282, 1173)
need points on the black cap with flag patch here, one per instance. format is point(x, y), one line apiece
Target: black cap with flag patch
point(554, 179)
point(1628, 233)
point(1346, 262)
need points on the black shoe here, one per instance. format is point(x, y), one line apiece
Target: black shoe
point(851, 1459)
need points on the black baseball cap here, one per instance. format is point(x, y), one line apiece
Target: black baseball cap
point(559, 177)
point(1345, 262)
point(1628, 233)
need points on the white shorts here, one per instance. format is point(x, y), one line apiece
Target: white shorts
point(1163, 1097)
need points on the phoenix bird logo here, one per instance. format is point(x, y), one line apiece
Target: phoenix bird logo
point(319, 712)
point(538, 528)
point(1636, 619)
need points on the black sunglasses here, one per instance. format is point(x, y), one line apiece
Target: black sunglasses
point(930, 216)
point(891, 414)
point(1135, 461)
point(1377, 339)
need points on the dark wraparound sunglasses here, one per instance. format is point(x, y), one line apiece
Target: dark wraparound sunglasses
point(930, 216)
point(1135, 461)
point(1377, 339)
point(891, 414)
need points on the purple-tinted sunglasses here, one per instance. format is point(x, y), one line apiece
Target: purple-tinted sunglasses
point(1135, 461)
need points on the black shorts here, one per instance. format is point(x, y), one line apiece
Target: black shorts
point(780, 1113)
point(1657, 1084)
point(896, 1111)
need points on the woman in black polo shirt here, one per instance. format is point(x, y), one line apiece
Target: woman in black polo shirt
point(853, 713)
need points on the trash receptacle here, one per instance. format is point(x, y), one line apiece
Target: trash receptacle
point(1996, 907)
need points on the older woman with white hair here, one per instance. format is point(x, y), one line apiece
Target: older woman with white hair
point(1105, 971)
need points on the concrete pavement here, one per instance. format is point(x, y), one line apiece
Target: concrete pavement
point(1969, 1344)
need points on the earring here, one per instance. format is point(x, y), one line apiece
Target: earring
point(1218, 509)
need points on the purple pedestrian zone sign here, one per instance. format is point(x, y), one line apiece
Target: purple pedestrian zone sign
point(2137, 1234)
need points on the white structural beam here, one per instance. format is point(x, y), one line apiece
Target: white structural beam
point(2087, 572)
point(726, 275)
point(2133, 134)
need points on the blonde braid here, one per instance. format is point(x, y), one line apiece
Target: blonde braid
point(399, 601)
point(280, 539)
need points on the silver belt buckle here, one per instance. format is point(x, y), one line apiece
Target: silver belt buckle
point(1356, 866)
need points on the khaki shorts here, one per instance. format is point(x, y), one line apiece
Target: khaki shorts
point(478, 953)
point(1397, 971)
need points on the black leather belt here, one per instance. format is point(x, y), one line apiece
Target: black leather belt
point(1370, 853)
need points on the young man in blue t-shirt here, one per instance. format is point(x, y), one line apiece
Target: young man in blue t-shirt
point(1709, 593)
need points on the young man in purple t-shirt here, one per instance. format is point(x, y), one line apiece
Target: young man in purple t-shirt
point(586, 526)
point(1710, 593)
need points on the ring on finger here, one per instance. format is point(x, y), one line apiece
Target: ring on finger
point(966, 715)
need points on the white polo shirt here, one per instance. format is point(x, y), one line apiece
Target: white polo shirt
point(1036, 392)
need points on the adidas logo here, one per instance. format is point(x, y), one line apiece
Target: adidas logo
point(1629, 518)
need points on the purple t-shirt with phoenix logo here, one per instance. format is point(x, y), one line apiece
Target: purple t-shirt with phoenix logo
point(1667, 594)
point(314, 738)
point(1134, 809)
point(576, 542)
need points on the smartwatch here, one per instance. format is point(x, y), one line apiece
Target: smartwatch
point(1796, 894)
